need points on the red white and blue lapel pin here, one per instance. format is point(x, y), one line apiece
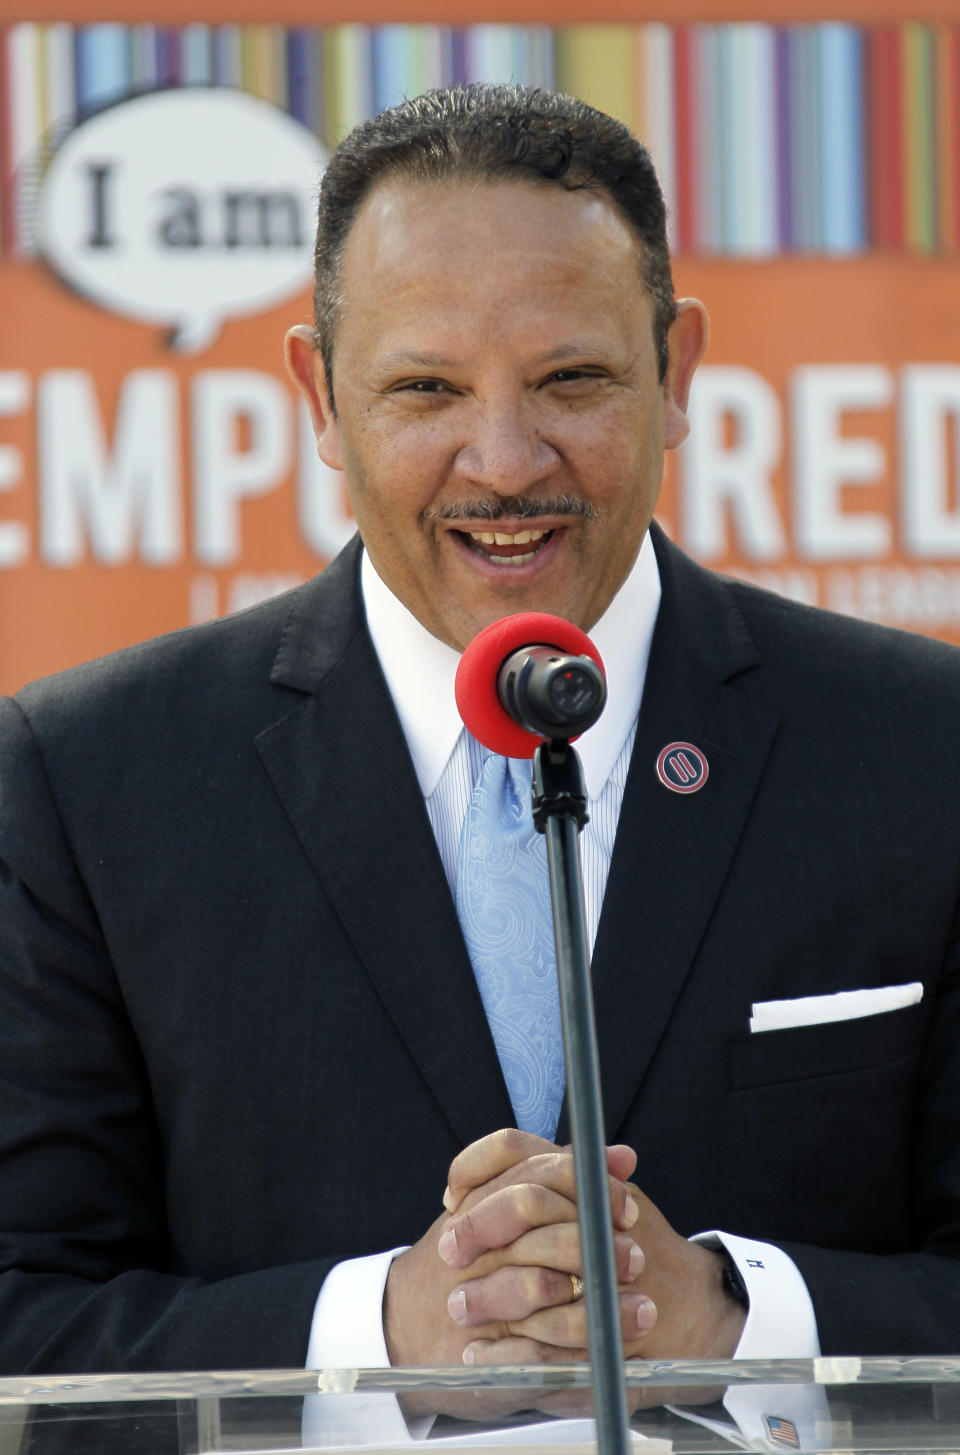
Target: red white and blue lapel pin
point(682, 768)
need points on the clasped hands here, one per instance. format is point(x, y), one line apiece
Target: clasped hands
point(489, 1283)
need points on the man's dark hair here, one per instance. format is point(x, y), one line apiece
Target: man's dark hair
point(492, 132)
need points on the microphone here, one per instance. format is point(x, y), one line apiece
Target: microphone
point(522, 680)
point(529, 677)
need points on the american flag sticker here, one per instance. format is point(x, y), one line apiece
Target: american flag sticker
point(782, 1431)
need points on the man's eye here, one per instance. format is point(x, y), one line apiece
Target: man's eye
point(422, 386)
point(566, 376)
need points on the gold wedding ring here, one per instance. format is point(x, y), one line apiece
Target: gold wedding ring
point(577, 1287)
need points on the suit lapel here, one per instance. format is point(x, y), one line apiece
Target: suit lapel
point(341, 768)
point(672, 850)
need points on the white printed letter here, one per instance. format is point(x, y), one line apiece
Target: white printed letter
point(86, 491)
point(931, 395)
point(718, 477)
point(223, 474)
point(14, 398)
point(825, 464)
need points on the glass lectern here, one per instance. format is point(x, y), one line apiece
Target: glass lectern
point(689, 1407)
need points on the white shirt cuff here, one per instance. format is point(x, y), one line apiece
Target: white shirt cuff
point(780, 1324)
point(347, 1333)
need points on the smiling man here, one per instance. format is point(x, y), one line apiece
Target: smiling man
point(253, 1106)
point(499, 388)
point(501, 412)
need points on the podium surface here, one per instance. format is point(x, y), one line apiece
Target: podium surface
point(825, 1405)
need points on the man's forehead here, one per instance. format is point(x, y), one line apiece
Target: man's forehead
point(398, 199)
point(411, 227)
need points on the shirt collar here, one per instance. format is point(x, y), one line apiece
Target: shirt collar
point(420, 672)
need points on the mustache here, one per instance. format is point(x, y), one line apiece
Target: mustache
point(503, 507)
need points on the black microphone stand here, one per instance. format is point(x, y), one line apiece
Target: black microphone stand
point(559, 812)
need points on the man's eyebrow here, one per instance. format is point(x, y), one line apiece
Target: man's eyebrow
point(414, 359)
point(417, 359)
point(577, 349)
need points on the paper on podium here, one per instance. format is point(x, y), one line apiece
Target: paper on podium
point(576, 1437)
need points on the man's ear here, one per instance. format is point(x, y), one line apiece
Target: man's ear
point(306, 368)
point(687, 343)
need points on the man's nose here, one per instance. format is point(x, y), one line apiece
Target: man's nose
point(505, 451)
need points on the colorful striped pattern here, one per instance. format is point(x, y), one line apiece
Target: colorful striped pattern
point(816, 138)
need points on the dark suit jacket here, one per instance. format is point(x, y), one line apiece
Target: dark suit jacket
point(239, 1032)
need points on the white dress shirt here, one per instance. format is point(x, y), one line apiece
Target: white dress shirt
point(420, 670)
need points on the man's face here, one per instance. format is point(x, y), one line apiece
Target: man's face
point(499, 418)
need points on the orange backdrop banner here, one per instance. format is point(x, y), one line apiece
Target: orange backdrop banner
point(156, 467)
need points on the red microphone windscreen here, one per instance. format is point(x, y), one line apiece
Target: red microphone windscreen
point(476, 684)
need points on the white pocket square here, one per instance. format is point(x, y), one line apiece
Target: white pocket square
point(845, 1005)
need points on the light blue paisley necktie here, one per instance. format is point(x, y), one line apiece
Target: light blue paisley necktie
point(503, 901)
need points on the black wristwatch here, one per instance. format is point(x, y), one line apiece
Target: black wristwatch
point(733, 1285)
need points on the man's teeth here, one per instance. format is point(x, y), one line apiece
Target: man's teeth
point(501, 538)
point(505, 538)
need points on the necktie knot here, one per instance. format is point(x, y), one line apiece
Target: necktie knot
point(504, 784)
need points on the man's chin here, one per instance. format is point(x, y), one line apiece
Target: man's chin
point(460, 632)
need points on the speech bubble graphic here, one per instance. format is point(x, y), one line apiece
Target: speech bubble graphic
point(183, 208)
